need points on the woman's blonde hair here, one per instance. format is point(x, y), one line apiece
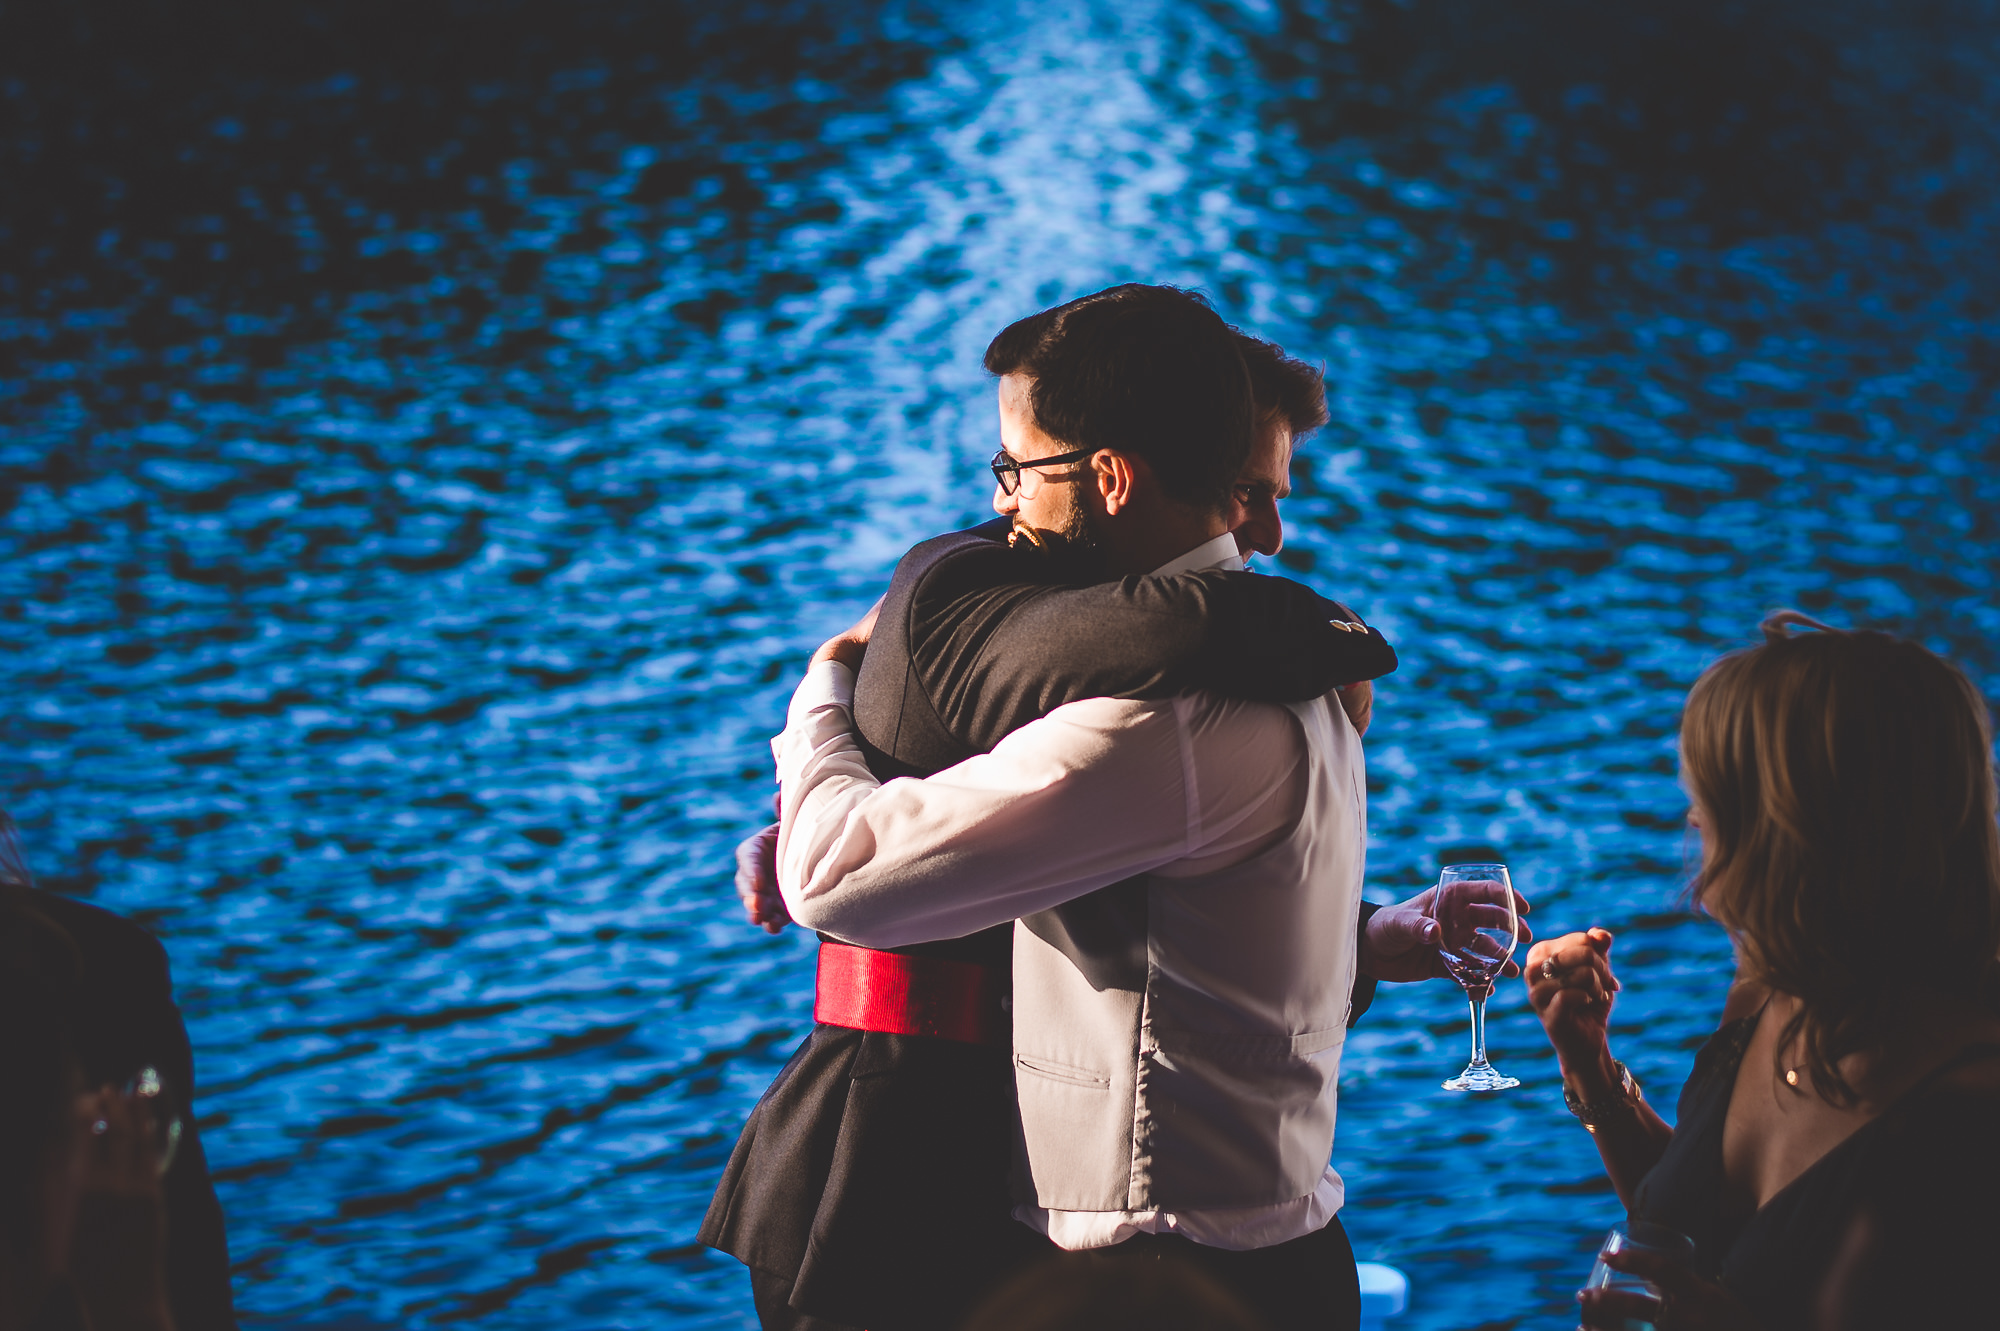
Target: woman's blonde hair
point(1846, 789)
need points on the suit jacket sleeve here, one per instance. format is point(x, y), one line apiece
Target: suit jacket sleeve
point(995, 648)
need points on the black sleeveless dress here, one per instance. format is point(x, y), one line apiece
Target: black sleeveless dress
point(1895, 1227)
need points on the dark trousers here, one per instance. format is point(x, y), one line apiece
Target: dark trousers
point(1307, 1284)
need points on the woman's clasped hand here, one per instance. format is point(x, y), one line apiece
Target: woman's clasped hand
point(1571, 988)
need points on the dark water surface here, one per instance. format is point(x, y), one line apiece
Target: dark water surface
point(434, 436)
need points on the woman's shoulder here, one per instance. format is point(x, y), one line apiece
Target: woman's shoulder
point(1713, 1075)
point(1746, 999)
point(1740, 1014)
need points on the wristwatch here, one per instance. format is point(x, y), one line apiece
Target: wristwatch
point(1593, 1112)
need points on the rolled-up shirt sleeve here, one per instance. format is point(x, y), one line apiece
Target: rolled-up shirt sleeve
point(1095, 792)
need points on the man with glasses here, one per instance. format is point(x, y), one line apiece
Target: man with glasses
point(870, 1187)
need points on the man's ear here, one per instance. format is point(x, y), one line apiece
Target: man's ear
point(1117, 475)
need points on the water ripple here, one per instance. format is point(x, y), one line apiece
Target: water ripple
point(426, 469)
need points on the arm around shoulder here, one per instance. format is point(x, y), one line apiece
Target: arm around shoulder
point(1000, 650)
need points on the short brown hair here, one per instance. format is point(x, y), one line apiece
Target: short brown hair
point(1283, 385)
point(1845, 785)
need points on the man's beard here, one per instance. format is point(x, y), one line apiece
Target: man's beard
point(1070, 542)
point(1079, 529)
point(1074, 537)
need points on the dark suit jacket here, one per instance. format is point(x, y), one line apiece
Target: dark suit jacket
point(874, 1173)
point(976, 639)
point(126, 1020)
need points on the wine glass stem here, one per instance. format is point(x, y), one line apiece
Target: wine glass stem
point(1477, 997)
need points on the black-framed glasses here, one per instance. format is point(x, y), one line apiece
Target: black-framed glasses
point(1007, 471)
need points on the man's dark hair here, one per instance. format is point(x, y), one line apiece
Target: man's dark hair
point(1150, 371)
point(1283, 385)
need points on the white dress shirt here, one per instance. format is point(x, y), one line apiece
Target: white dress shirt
point(1094, 793)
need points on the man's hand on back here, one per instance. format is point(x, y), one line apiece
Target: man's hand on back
point(1358, 701)
point(1400, 943)
point(757, 881)
point(849, 647)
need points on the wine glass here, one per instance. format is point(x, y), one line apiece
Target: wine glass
point(149, 1090)
point(1646, 1237)
point(1473, 905)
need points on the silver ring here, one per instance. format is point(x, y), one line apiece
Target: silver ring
point(100, 1127)
point(1548, 968)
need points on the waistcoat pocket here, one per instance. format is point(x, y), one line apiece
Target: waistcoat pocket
point(1077, 1125)
point(1063, 1072)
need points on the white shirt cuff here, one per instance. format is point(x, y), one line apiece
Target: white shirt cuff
point(828, 684)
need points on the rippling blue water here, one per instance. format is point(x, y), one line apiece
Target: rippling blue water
point(435, 435)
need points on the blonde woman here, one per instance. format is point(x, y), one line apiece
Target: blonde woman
point(1836, 1156)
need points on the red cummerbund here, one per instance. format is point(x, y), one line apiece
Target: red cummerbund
point(898, 994)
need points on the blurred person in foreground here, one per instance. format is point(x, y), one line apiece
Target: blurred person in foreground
point(118, 1018)
point(82, 1221)
point(1836, 1153)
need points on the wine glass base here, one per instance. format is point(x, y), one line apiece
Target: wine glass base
point(1481, 1077)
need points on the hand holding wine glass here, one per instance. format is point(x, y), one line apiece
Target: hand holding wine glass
point(1615, 1295)
point(1645, 1275)
point(1400, 942)
point(1478, 928)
